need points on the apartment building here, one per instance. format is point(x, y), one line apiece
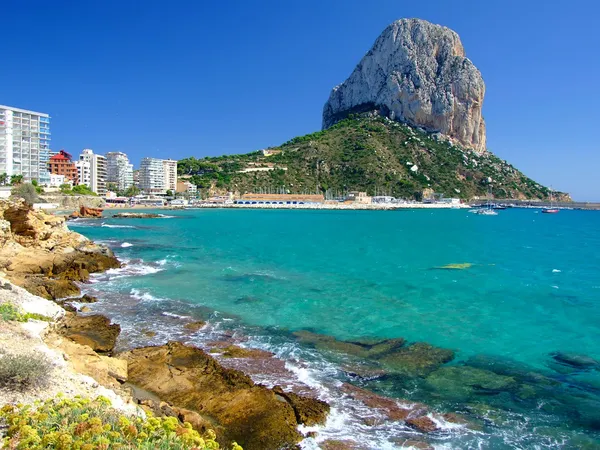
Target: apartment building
point(24, 143)
point(97, 170)
point(152, 176)
point(62, 164)
point(119, 170)
point(170, 174)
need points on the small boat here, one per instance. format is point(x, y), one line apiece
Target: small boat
point(551, 209)
point(487, 212)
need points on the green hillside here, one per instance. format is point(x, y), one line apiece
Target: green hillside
point(370, 154)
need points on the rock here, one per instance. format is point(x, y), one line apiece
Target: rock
point(363, 348)
point(85, 299)
point(95, 331)
point(148, 333)
point(416, 72)
point(460, 383)
point(137, 216)
point(392, 409)
point(85, 309)
point(42, 255)
point(233, 351)
point(423, 424)
point(187, 377)
point(414, 444)
point(416, 360)
point(334, 444)
point(86, 213)
point(194, 326)
point(309, 411)
point(576, 360)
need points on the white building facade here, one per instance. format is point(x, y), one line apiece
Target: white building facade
point(170, 174)
point(97, 171)
point(119, 170)
point(24, 144)
point(152, 176)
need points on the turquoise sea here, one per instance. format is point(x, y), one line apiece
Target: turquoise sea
point(531, 292)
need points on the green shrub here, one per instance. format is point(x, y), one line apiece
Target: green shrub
point(83, 424)
point(9, 311)
point(27, 192)
point(22, 372)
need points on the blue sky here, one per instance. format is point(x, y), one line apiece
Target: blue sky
point(181, 78)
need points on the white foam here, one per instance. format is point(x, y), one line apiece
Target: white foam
point(177, 316)
point(126, 244)
point(106, 225)
point(555, 271)
point(145, 296)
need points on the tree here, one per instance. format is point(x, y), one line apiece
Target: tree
point(65, 188)
point(27, 192)
point(131, 191)
point(3, 178)
point(16, 179)
point(169, 193)
point(112, 187)
point(82, 189)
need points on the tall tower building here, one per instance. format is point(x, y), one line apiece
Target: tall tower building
point(97, 170)
point(24, 143)
point(119, 170)
point(170, 170)
point(152, 176)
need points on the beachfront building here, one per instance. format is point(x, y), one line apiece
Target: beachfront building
point(282, 199)
point(186, 187)
point(358, 197)
point(62, 164)
point(152, 176)
point(83, 172)
point(97, 171)
point(24, 144)
point(170, 174)
point(57, 181)
point(119, 170)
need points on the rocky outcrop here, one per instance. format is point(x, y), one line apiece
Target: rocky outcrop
point(137, 216)
point(416, 72)
point(74, 202)
point(39, 252)
point(95, 331)
point(252, 415)
point(87, 213)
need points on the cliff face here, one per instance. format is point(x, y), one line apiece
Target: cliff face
point(416, 73)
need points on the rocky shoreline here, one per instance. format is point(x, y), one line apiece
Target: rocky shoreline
point(41, 255)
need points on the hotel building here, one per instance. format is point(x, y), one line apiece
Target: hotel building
point(24, 144)
point(96, 168)
point(170, 174)
point(152, 176)
point(62, 164)
point(119, 170)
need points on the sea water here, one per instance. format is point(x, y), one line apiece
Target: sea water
point(526, 285)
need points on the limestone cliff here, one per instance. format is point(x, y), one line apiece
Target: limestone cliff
point(416, 73)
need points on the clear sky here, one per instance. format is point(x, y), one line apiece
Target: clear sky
point(196, 78)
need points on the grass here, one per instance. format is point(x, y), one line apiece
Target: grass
point(24, 372)
point(84, 424)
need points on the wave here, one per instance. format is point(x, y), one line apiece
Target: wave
point(106, 225)
point(126, 244)
point(177, 316)
point(146, 296)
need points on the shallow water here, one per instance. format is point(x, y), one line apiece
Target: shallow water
point(532, 289)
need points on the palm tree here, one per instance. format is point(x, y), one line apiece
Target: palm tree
point(3, 178)
point(16, 179)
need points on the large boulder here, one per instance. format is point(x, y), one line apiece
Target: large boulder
point(95, 331)
point(416, 72)
point(255, 417)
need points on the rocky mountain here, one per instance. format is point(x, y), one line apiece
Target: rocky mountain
point(416, 73)
point(366, 152)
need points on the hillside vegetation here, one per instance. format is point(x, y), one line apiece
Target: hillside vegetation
point(366, 153)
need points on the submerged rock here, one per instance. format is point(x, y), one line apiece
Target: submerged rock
point(423, 424)
point(252, 415)
point(460, 383)
point(576, 360)
point(194, 326)
point(363, 348)
point(416, 360)
point(233, 351)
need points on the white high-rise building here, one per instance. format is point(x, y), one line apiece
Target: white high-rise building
point(119, 170)
point(24, 144)
point(170, 170)
point(84, 172)
point(97, 171)
point(152, 176)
